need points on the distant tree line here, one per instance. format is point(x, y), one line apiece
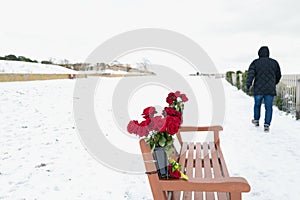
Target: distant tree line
point(19, 58)
point(24, 59)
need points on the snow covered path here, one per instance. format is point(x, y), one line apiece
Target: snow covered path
point(269, 161)
point(41, 156)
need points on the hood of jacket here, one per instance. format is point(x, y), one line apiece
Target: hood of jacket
point(263, 52)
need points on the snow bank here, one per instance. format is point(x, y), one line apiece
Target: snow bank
point(19, 67)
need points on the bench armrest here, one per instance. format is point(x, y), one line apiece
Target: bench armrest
point(215, 129)
point(200, 128)
point(228, 184)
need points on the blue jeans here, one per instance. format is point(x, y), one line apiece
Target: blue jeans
point(268, 99)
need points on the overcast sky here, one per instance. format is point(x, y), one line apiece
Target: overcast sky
point(230, 31)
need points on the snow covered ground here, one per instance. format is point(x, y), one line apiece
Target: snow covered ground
point(32, 68)
point(41, 155)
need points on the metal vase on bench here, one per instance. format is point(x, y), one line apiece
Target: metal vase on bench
point(161, 162)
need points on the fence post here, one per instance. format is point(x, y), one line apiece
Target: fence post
point(298, 99)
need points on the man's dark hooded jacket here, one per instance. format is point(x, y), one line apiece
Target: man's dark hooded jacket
point(265, 72)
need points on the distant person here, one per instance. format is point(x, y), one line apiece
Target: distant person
point(263, 75)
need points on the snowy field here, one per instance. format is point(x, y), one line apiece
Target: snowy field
point(19, 67)
point(41, 155)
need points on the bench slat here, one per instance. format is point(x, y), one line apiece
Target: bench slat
point(189, 168)
point(215, 161)
point(182, 158)
point(217, 168)
point(207, 169)
point(224, 168)
point(198, 170)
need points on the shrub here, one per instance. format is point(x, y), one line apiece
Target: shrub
point(244, 79)
point(278, 102)
point(11, 57)
point(47, 62)
point(229, 77)
point(238, 81)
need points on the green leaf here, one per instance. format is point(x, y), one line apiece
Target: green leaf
point(169, 142)
point(162, 141)
point(151, 143)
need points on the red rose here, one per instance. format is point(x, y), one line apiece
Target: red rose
point(173, 124)
point(172, 128)
point(149, 112)
point(175, 174)
point(184, 98)
point(142, 131)
point(170, 111)
point(147, 124)
point(158, 122)
point(132, 126)
point(164, 126)
point(177, 94)
point(179, 116)
point(171, 97)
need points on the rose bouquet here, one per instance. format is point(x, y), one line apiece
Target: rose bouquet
point(158, 130)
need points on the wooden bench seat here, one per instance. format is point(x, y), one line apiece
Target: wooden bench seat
point(205, 166)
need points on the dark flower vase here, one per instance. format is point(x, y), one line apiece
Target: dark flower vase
point(161, 162)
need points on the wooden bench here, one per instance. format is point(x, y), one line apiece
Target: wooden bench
point(205, 166)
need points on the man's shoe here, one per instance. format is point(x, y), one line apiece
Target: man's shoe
point(266, 128)
point(255, 122)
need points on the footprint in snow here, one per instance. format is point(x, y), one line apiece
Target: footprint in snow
point(40, 165)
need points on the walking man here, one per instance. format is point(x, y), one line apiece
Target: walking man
point(263, 75)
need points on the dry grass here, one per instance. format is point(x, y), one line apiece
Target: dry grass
point(31, 77)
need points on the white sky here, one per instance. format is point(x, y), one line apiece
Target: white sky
point(230, 31)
